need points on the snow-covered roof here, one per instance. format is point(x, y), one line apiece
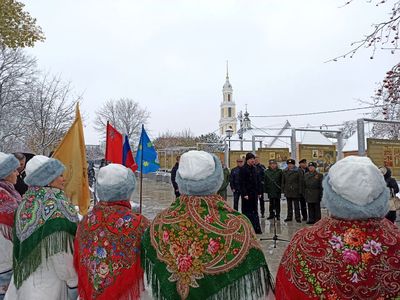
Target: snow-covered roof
point(310, 138)
point(351, 144)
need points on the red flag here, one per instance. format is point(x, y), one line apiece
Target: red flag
point(127, 156)
point(113, 145)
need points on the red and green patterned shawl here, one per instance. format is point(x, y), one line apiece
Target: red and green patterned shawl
point(107, 252)
point(342, 259)
point(45, 224)
point(200, 248)
point(9, 200)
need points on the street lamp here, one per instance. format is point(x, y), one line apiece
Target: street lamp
point(229, 133)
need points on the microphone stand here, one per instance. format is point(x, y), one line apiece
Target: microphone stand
point(275, 238)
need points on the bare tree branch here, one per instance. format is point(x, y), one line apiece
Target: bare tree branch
point(125, 115)
point(384, 35)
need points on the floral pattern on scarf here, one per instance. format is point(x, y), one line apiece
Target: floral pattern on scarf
point(108, 248)
point(342, 259)
point(200, 236)
point(9, 201)
point(40, 205)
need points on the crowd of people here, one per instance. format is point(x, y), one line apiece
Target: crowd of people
point(301, 186)
point(199, 247)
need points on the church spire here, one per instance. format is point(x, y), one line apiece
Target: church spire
point(227, 71)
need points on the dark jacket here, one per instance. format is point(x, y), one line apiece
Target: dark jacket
point(21, 186)
point(234, 179)
point(272, 183)
point(249, 183)
point(260, 175)
point(306, 170)
point(292, 183)
point(391, 182)
point(313, 187)
point(173, 176)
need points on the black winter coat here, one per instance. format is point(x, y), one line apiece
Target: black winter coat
point(234, 179)
point(260, 176)
point(173, 176)
point(249, 182)
point(391, 182)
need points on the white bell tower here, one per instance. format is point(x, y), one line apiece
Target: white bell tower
point(228, 107)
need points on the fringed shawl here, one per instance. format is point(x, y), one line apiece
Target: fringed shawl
point(200, 248)
point(45, 224)
point(9, 200)
point(107, 252)
point(342, 259)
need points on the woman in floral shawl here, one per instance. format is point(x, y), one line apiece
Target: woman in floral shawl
point(9, 200)
point(200, 248)
point(107, 244)
point(45, 226)
point(355, 254)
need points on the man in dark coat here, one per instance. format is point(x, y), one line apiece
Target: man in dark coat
point(260, 175)
point(303, 205)
point(313, 193)
point(292, 187)
point(272, 186)
point(173, 176)
point(391, 183)
point(249, 190)
point(235, 183)
point(21, 186)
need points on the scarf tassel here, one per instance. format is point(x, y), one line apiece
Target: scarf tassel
point(254, 285)
point(6, 231)
point(52, 244)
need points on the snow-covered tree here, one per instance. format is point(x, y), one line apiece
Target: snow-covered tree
point(48, 113)
point(387, 101)
point(17, 72)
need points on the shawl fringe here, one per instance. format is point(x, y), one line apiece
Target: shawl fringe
point(6, 231)
point(254, 285)
point(36, 248)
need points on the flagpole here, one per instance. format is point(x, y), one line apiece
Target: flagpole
point(105, 158)
point(141, 172)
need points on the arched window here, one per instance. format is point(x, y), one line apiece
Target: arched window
point(229, 112)
point(229, 97)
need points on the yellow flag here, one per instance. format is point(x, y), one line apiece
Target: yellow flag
point(72, 153)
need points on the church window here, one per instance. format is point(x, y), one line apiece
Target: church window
point(229, 112)
point(229, 97)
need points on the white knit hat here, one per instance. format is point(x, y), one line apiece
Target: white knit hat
point(8, 164)
point(41, 170)
point(115, 183)
point(356, 179)
point(199, 173)
point(354, 189)
point(196, 165)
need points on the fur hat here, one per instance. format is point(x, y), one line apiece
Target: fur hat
point(8, 164)
point(115, 183)
point(41, 170)
point(355, 189)
point(199, 173)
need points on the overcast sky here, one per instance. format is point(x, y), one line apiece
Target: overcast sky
point(170, 57)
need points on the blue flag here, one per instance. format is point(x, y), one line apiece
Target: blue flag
point(146, 155)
